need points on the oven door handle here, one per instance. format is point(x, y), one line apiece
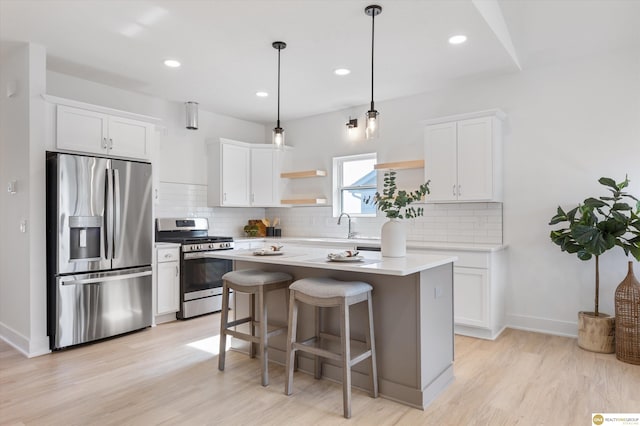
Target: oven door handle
point(198, 255)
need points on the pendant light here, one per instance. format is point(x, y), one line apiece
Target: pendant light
point(373, 122)
point(278, 132)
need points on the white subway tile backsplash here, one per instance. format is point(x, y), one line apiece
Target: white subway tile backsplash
point(190, 200)
point(464, 222)
point(460, 223)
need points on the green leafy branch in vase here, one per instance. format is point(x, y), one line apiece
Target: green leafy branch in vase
point(394, 203)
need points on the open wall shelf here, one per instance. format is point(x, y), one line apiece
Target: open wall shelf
point(398, 165)
point(307, 201)
point(303, 174)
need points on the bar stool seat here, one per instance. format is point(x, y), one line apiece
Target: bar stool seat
point(256, 283)
point(322, 293)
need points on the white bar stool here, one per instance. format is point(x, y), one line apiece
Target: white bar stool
point(322, 293)
point(254, 282)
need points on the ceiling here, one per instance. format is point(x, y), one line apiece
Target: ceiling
point(226, 54)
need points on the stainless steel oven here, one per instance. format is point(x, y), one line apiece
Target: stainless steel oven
point(201, 283)
point(201, 276)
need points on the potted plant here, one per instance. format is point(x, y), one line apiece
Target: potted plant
point(590, 229)
point(395, 204)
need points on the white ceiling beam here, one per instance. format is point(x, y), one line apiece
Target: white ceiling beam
point(492, 14)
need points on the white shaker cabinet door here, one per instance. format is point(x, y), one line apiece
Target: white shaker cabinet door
point(81, 130)
point(168, 287)
point(441, 161)
point(263, 174)
point(471, 297)
point(129, 138)
point(235, 175)
point(475, 160)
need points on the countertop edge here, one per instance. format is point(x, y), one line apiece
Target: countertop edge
point(366, 242)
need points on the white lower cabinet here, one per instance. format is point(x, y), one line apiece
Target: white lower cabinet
point(167, 279)
point(478, 292)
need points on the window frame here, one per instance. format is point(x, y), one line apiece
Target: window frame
point(338, 171)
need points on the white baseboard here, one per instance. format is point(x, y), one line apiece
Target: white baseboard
point(29, 348)
point(543, 325)
point(477, 332)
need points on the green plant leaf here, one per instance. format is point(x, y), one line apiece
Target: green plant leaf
point(560, 216)
point(584, 255)
point(608, 182)
point(594, 202)
point(621, 206)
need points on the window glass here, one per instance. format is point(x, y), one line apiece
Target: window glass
point(355, 181)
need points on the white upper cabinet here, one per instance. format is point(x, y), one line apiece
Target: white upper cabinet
point(264, 176)
point(463, 158)
point(95, 132)
point(243, 174)
point(235, 169)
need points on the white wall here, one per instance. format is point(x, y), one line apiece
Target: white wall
point(568, 125)
point(22, 267)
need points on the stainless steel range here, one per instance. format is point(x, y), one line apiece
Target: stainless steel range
point(200, 276)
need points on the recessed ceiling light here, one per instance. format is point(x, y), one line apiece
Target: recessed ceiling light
point(262, 94)
point(341, 71)
point(172, 63)
point(457, 39)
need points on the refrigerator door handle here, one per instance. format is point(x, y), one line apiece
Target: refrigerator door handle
point(93, 280)
point(108, 216)
point(117, 208)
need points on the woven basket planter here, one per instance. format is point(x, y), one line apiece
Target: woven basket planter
point(628, 319)
point(596, 333)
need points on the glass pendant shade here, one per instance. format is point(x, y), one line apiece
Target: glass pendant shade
point(278, 137)
point(373, 125)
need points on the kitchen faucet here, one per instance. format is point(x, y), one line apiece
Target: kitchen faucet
point(350, 234)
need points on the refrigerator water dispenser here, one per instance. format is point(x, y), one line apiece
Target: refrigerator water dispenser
point(84, 237)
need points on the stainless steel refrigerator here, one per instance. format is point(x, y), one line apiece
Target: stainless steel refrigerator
point(99, 248)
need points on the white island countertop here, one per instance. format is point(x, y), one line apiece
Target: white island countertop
point(314, 257)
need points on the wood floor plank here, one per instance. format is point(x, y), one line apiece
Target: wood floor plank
point(168, 375)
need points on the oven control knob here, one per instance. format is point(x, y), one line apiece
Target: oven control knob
point(211, 245)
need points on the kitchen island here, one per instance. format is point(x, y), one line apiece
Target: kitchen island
point(413, 316)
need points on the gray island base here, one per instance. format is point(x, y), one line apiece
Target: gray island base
point(413, 317)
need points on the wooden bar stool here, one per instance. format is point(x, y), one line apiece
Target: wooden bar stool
point(322, 293)
point(256, 283)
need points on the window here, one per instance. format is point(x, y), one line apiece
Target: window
point(354, 180)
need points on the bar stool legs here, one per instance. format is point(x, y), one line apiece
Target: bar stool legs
point(257, 284)
point(325, 292)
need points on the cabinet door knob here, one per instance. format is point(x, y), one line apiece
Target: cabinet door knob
point(177, 271)
point(459, 190)
point(104, 143)
point(110, 143)
point(167, 255)
point(453, 190)
point(224, 197)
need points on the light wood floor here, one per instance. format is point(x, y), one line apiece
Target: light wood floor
point(168, 375)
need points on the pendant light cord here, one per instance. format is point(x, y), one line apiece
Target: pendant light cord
point(373, 26)
point(278, 119)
